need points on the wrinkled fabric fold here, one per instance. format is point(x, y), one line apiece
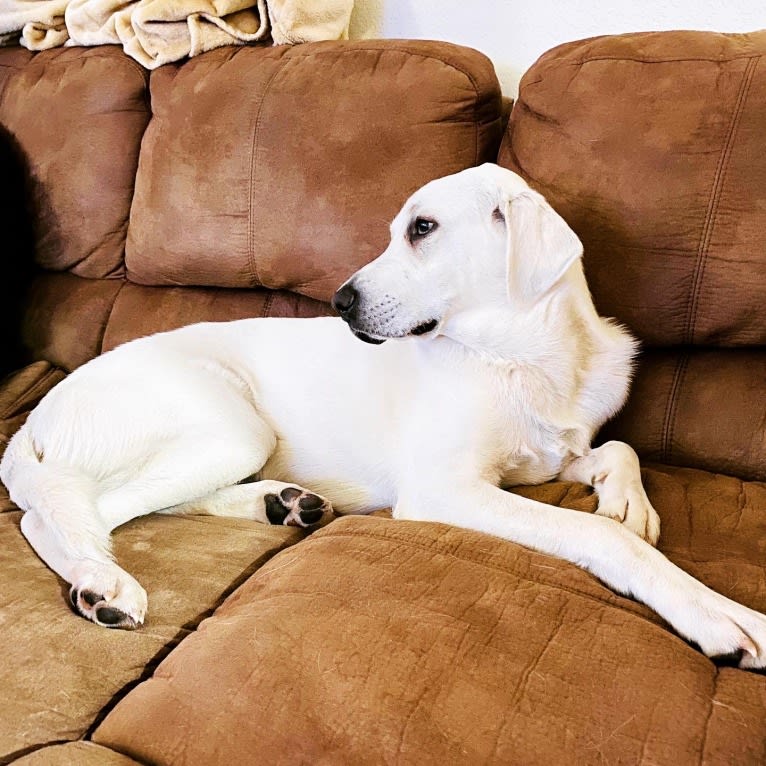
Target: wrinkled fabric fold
point(157, 32)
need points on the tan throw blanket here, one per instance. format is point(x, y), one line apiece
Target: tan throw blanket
point(156, 32)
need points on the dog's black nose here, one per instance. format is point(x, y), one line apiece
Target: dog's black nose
point(345, 300)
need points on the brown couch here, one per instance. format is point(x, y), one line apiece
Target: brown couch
point(251, 182)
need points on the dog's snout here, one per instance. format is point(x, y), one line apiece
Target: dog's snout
point(345, 300)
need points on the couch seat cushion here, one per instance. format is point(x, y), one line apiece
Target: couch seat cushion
point(60, 671)
point(377, 641)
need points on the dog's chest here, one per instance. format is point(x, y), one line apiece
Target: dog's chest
point(525, 464)
point(530, 434)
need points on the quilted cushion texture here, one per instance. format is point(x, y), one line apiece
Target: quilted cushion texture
point(377, 641)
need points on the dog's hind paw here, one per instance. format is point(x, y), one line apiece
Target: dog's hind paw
point(112, 599)
point(296, 507)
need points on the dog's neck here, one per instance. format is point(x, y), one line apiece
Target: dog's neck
point(505, 335)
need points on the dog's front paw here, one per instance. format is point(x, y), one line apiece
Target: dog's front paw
point(108, 596)
point(633, 510)
point(296, 507)
point(729, 633)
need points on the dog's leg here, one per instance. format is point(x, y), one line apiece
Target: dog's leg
point(271, 502)
point(614, 472)
point(619, 558)
point(64, 528)
point(69, 516)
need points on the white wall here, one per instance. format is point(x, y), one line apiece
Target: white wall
point(514, 33)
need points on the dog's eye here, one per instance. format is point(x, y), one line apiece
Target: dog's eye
point(420, 227)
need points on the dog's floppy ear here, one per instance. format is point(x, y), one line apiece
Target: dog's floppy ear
point(540, 246)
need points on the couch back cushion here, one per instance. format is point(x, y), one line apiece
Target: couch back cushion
point(78, 116)
point(651, 147)
point(282, 167)
point(250, 168)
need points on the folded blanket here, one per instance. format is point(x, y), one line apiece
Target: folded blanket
point(302, 21)
point(156, 32)
point(40, 22)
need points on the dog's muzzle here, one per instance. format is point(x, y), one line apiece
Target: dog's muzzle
point(346, 303)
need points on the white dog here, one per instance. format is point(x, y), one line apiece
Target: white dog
point(500, 374)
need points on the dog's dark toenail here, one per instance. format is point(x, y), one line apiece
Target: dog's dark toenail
point(730, 660)
point(109, 616)
point(90, 598)
point(275, 511)
point(311, 517)
point(73, 594)
point(288, 494)
point(310, 503)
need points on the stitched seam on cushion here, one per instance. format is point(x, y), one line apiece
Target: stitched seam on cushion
point(444, 61)
point(660, 60)
point(32, 388)
point(182, 631)
point(291, 57)
point(254, 275)
point(715, 198)
point(267, 304)
point(668, 424)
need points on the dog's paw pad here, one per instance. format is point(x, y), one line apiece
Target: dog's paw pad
point(96, 608)
point(90, 598)
point(310, 502)
point(114, 618)
point(295, 507)
point(105, 594)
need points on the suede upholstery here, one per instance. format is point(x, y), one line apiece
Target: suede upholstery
point(96, 107)
point(301, 183)
point(669, 199)
point(251, 182)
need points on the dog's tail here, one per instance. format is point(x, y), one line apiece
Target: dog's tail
point(59, 501)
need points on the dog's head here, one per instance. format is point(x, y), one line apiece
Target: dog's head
point(474, 239)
